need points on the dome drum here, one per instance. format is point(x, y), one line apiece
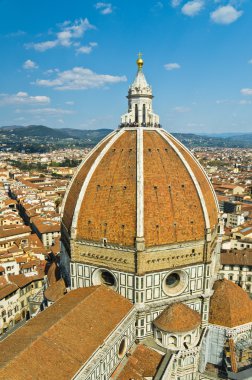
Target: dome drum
point(178, 341)
point(177, 327)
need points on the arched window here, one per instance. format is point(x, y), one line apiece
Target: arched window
point(144, 114)
point(173, 341)
point(159, 336)
point(136, 113)
point(187, 340)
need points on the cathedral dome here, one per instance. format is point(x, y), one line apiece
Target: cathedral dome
point(230, 305)
point(140, 182)
point(178, 318)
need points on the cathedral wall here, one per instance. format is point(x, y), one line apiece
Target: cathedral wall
point(148, 288)
point(156, 259)
point(183, 365)
point(177, 256)
point(149, 292)
point(107, 357)
point(97, 255)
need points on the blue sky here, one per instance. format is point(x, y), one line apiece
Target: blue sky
point(69, 63)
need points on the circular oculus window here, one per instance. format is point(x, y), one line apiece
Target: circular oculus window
point(103, 276)
point(175, 282)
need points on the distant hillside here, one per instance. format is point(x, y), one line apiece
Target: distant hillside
point(44, 138)
point(90, 136)
point(192, 140)
point(32, 131)
point(245, 137)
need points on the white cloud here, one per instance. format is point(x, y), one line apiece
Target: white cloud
point(29, 64)
point(172, 66)
point(23, 98)
point(104, 8)
point(192, 8)
point(79, 78)
point(175, 3)
point(225, 15)
point(245, 102)
point(70, 103)
point(47, 111)
point(70, 32)
point(19, 33)
point(43, 46)
point(51, 71)
point(51, 111)
point(246, 91)
point(86, 49)
point(181, 109)
point(250, 61)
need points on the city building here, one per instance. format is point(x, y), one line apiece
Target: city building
point(237, 267)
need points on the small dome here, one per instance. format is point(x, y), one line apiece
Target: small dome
point(178, 318)
point(230, 305)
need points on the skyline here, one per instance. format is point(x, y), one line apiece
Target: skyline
point(71, 66)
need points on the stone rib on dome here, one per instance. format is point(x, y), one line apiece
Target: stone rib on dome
point(230, 305)
point(178, 201)
point(178, 318)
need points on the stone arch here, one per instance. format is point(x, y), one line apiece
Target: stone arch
point(159, 336)
point(172, 340)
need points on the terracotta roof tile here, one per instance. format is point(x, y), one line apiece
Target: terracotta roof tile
point(204, 185)
point(230, 305)
point(178, 317)
point(7, 289)
point(76, 185)
point(55, 291)
point(70, 331)
point(8, 231)
point(173, 210)
point(243, 257)
point(108, 209)
point(20, 280)
point(45, 225)
point(143, 363)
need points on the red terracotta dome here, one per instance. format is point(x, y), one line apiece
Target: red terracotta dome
point(178, 318)
point(230, 305)
point(140, 182)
